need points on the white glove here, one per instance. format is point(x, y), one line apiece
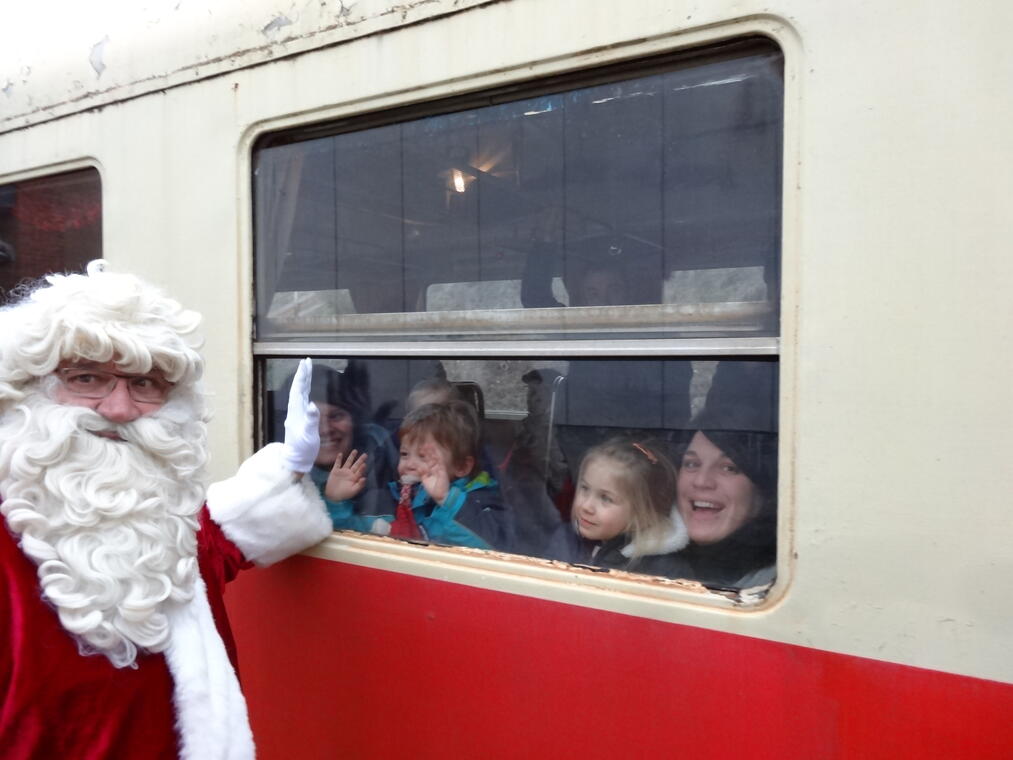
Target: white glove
point(302, 423)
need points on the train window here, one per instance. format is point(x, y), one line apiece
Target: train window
point(612, 189)
point(49, 224)
point(410, 251)
point(537, 421)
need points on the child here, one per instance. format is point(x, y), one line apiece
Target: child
point(624, 513)
point(443, 496)
point(432, 390)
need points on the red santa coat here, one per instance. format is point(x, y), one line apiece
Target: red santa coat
point(56, 703)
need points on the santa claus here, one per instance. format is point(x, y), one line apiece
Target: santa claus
point(114, 554)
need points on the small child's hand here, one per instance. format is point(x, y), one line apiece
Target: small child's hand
point(435, 479)
point(347, 478)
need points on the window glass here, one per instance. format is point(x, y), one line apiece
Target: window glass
point(639, 203)
point(49, 224)
point(656, 196)
point(657, 477)
point(491, 294)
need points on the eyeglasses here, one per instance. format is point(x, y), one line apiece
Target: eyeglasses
point(91, 383)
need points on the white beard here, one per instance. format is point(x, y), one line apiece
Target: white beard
point(112, 525)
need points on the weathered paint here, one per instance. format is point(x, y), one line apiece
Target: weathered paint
point(64, 57)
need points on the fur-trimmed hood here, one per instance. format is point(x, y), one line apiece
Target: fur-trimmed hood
point(269, 515)
point(671, 538)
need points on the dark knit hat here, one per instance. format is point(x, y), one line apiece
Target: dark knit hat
point(753, 450)
point(348, 390)
point(325, 385)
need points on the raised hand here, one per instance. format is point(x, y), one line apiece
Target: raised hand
point(435, 478)
point(302, 422)
point(347, 477)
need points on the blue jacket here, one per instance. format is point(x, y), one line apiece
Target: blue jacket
point(344, 514)
point(473, 514)
point(360, 513)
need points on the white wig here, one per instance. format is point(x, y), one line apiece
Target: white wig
point(97, 317)
point(111, 524)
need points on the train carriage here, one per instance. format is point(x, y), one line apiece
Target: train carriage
point(588, 220)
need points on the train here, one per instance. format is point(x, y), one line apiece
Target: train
point(590, 220)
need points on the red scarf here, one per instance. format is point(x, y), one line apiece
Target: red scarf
point(404, 525)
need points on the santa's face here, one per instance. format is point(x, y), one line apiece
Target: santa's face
point(118, 396)
point(108, 510)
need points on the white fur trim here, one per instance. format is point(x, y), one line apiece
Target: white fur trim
point(266, 513)
point(674, 538)
point(210, 710)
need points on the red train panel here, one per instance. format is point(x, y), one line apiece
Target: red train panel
point(344, 661)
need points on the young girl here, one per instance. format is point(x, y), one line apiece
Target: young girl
point(443, 495)
point(624, 514)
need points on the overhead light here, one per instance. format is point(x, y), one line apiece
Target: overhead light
point(458, 178)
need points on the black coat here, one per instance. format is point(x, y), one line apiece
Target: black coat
point(729, 563)
point(567, 545)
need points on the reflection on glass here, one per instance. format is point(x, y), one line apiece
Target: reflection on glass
point(49, 224)
point(623, 194)
point(662, 467)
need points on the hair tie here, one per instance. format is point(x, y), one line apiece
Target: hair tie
point(646, 452)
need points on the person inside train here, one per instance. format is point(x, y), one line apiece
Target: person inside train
point(432, 390)
point(601, 280)
point(602, 283)
point(357, 457)
point(622, 393)
point(727, 497)
point(533, 472)
point(746, 388)
point(624, 514)
point(438, 390)
point(442, 494)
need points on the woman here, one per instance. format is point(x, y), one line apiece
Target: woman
point(345, 426)
point(727, 496)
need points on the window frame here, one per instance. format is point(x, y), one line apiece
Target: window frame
point(411, 558)
point(27, 270)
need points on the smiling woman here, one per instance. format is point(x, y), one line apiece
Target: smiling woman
point(727, 496)
point(346, 426)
